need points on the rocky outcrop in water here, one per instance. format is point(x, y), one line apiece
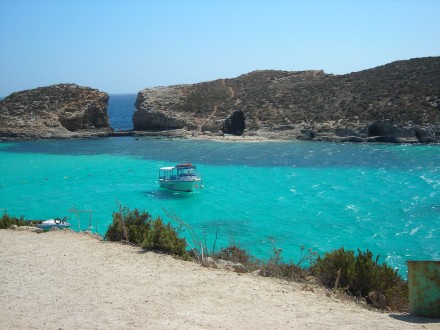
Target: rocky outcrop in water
point(397, 102)
point(58, 111)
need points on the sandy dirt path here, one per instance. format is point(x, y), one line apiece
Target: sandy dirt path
point(66, 280)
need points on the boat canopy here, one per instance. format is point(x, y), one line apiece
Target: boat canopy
point(168, 168)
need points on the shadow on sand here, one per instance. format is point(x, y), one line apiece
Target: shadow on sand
point(415, 319)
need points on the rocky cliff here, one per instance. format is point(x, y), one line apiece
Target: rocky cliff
point(397, 102)
point(58, 111)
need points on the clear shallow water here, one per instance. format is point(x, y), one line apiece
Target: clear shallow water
point(321, 195)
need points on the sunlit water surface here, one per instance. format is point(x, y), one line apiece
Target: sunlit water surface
point(385, 198)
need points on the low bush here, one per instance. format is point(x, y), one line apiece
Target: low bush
point(336, 262)
point(237, 255)
point(372, 276)
point(276, 267)
point(129, 226)
point(6, 221)
point(362, 275)
point(163, 237)
point(140, 229)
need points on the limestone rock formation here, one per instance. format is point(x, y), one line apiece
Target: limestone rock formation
point(57, 111)
point(224, 264)
point(397, 102)
point(235, 124)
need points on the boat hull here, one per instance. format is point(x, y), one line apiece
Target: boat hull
point(49, 224)
point(185, 186)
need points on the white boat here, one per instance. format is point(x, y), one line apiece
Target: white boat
point(182, 177)
point(53, 223)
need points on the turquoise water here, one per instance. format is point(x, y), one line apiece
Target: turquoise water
point(286, 194)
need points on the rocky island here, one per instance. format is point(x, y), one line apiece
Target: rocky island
point(397, 102)
point(58, 111)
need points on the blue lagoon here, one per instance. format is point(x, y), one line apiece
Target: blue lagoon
point(258, 195)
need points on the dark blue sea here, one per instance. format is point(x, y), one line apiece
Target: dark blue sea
point(259, 195)
point(120, 110)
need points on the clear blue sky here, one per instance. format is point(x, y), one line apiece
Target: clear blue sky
point(123, 46)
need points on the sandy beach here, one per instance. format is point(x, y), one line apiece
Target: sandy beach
point(67, 280)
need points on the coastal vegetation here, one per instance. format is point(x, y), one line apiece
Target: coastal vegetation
point(139, 228)
point(357, 275)
point(342, 271)
point(6, 221)
point(362, 276)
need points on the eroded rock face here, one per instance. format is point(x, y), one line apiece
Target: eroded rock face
point(198, 107)
point(235, 124)
point(396, 102)
point(387, 132)
point(57, 111)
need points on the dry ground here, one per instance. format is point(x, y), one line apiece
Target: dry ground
point(67, 280)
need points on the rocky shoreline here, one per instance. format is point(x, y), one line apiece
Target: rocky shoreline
point(253, 136)
point(395, 103)
point(54, 112)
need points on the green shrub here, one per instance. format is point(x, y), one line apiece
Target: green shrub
point(361, 275)
point(140, 229)
point(276, 267)
point(326, 269)
point(237, 255)
point(164, 238)
point(366, 271)
point(130, 226)
point(371, 276)
point(6, 221)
